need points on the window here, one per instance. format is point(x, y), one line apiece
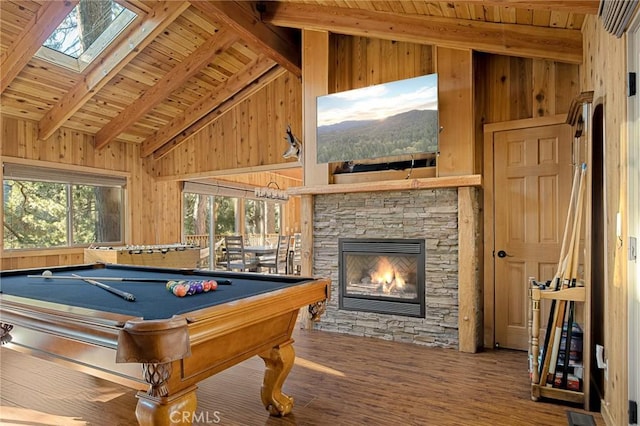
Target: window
point(51, 208)
point(85, 32)
point(213, 211)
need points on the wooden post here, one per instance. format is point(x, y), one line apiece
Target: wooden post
point(315, 75)
point(469, 285)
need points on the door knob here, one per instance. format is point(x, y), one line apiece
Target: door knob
point(502, 253)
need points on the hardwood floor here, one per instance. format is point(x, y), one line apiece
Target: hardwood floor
point(337, 380)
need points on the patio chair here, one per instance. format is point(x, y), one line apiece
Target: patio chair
point(236, 257)
point(277, 263)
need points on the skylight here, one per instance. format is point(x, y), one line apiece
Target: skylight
point(85, 32)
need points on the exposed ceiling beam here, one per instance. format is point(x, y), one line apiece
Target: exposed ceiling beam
point(143, 33)
point(174, 79)
point(204, 107)
point(505, 39)
point(575, 6)
point(35, 32)
point(248, 90)
point(280, 44)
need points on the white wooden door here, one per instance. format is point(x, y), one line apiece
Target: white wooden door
point(532, 177)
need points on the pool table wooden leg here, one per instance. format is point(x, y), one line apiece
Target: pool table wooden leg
point(171, 410)
point(157, 406)
point(278, 362)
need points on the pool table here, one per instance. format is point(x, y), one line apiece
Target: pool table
point(160, 344)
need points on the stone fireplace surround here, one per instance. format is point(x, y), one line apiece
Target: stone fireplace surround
point(429, 214)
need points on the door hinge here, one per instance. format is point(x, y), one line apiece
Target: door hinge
point(633, 249)
point(632, 84)
point(633, 412)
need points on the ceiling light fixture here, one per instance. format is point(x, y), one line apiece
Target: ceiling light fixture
point(271, 191)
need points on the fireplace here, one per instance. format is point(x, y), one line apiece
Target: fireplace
point(382, 275)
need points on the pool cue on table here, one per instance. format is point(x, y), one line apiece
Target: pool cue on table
point(154, 280)
point(78, 277)
point(126, 296)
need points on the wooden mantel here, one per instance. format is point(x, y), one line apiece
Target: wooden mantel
point(394, 185)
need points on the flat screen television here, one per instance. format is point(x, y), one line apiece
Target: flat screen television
point(398, 118)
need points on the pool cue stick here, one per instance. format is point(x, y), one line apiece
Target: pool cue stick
point(78, 277)
point(567, 346)
point(118, 279)
point(570, 274)
point(572, 283)
point(126, 296)
point(547, 335)
point(562, 263)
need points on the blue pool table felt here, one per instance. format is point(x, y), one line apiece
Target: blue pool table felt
point(152, 299)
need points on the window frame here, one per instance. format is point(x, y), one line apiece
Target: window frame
point(72, 170)
point(238, 191)
point(119, 27)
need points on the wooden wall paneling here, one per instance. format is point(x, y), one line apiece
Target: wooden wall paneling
point(455, 81)
point(499, 78)
point(247, 149)
point(272, 121)
point(519, 88)
point(480, 92)
point(389, 56)
point(249, 134)
point(360, 62)
point(521, 97)
point(373, 65)
point(81, 140)
point(544, 83)
point(253, 114)
point(140, 196)
point(222, 156)
point(567, 86)
point(603, 53)
point(190, 157)
point(276, 125)
point(341, 58)
point(294, 103)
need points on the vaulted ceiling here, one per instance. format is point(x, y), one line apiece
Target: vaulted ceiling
point(181, 64)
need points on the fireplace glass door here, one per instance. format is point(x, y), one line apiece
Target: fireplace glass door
point(382, 275)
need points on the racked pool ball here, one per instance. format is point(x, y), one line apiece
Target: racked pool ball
point(180, 290)
point(191, 287)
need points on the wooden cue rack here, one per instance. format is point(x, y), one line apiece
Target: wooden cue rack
point(538, 390)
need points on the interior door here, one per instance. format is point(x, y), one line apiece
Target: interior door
point(532, 177)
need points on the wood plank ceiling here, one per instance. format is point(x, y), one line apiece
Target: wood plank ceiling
point(180, 63)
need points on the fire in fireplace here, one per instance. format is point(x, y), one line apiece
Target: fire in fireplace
point(382, 275)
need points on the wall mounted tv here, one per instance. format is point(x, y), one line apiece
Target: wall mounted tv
point(398, 118)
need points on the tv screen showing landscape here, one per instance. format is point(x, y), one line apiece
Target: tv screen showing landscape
point(385, 120)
